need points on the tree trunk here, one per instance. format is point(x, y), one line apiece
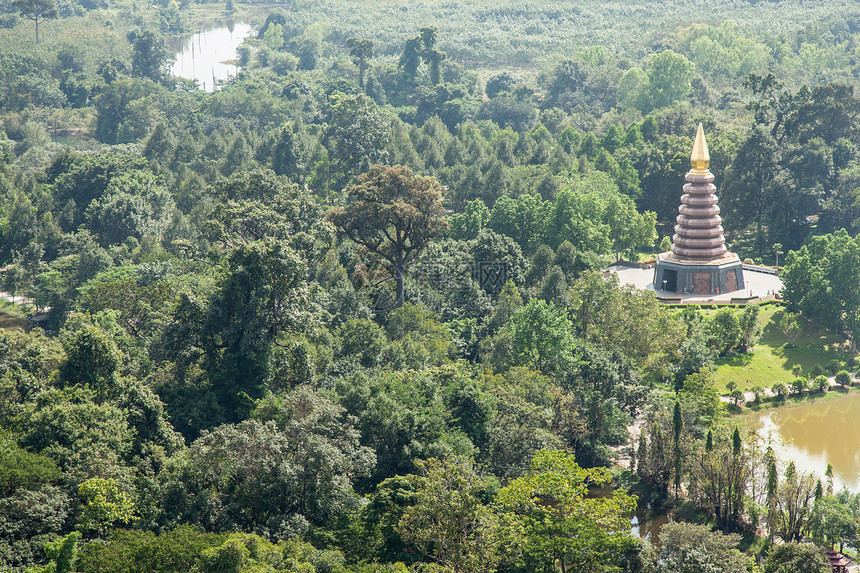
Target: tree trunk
point(399, 273)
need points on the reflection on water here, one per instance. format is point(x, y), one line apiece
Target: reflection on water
point(204, 56)
point(647, 524)
point(813, 435)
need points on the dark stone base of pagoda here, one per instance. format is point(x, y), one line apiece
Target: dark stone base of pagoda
point(706, 277)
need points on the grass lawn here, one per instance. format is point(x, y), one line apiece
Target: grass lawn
point(772, 362)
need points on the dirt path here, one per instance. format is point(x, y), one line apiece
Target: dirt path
point(622, 451)
point(749, 396)
point(18, 299)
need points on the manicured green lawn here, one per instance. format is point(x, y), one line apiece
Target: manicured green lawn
point(772, 362)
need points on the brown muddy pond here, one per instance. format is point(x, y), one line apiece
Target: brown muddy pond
point(815, 434)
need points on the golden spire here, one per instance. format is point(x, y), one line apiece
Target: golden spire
point(699, 159)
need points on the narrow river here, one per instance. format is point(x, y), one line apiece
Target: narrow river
point(209, 56)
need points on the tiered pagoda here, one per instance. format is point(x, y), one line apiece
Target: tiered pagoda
point(699, 262)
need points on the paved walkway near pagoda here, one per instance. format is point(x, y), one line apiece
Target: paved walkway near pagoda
point(760, 285)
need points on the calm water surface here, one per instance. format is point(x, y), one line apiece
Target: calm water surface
point(645, 522)
point(209, 55)
point(813, 435)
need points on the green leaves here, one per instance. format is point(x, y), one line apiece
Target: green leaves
point(36, 10)
point(547, 516)
point(541, 336)
point(289, 466)
point(92, 360)
point(667, 79)
point(84, 438)
point(105, 504)
point(449, 521)
point(692, 548)
point(20, 468)
point(358, 132)
point(394, 215)
point(150, 57)
point(62, 554)
point(263, 294)
point(796, 557)
point(821, 280)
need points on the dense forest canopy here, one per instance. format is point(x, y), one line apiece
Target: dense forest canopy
point(346, 312)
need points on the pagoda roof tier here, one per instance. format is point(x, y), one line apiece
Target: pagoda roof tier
point(699, 231)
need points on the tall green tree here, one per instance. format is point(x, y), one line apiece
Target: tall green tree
point(748, 189)
point(749, 329)
point(410, 59)
point(36, 10)
point(62, 554)
point(105, 505)
point(289, 156)
point(289, 466)
point(793, 504)
point(821, 280)
point(549, 519)
point(468, 224)
point(150, 56)
point(796, 558)
point(432, 57)
point(628, 228)
point(92, 359)
point(357, 135)
point(834, 521)
point(541, 336)
point(264, 293)
point(449, 521)
point(669, 77)
point(393, 215)
point(361, 50)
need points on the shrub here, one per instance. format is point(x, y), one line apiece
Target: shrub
point(821, 384)
point(737, 396)
point(757, 393)
point(780, 389)
point(799, 384)
point(843, 378)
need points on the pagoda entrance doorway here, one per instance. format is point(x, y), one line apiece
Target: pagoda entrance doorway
point(670, 280)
